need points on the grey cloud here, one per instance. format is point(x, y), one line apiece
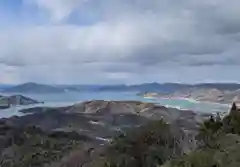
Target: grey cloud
point(217, 16)
point(225, 62)
point(125, 37)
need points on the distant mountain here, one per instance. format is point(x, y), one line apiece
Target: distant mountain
point(219, 86)
point(170, 87)
point(113, 88)
point(80, 88)
point(5, 86)
point(145, 87)
point(119, 88)
point(33, 88)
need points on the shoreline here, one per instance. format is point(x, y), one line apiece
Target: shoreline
point(192, 100)
point(151, 99)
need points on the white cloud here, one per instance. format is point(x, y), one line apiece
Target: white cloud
point(128, 42)
point(58, 9)
point(40, 45)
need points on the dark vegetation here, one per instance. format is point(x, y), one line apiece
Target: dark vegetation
point(154, 144)
point(219, 143)
point(32, 147)
point(147, 146)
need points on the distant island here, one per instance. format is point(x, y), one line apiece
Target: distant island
point(169, 87)
point(199, 94)
point(8, 101)
point(161, 88)
point(32, 87)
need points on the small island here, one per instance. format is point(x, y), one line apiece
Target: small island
point(15, 100)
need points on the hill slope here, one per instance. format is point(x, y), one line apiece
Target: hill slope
point(79, 135)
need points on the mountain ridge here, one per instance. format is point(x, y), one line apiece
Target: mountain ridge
point(32, 87)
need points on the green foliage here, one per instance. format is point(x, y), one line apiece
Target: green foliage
point(146, 146)
point(233, 108)
point(31, 147)
point(226, 155)
point(232, 123)
point(197, 159)
point(221, 142)
point(209, 131)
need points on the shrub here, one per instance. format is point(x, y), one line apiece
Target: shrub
point(147, 146)
point(209, 131)
point(197, 159)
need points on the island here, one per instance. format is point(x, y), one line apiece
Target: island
point(198, 94)
point(15, 100)
point(32, 87)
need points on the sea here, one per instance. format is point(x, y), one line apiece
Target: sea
point(70, 98)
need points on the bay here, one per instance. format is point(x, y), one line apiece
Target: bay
point(70, 98)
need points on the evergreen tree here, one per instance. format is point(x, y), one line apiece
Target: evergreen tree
point(234, 107)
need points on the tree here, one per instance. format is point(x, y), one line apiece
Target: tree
point(233, 108)
point(209, 131)
point(147, 146)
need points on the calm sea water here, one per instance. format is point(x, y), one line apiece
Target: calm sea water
point(69, 98)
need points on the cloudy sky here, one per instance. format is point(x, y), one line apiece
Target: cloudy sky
point(119, 41)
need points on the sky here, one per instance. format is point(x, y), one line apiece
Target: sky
point(119, 41)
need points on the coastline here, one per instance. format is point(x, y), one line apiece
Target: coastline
point(180, 103)
point(192, 100)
